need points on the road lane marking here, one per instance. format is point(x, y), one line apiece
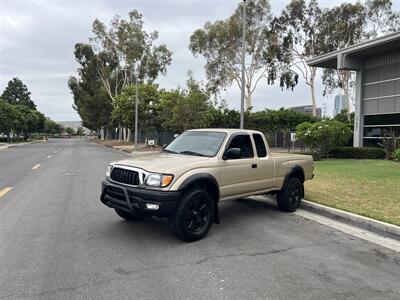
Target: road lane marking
point(55, 151)
point(48, 156)
point(5, 191)
point(35, 167)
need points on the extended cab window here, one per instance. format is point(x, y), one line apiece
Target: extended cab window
point(243, 142)
point(260, 145)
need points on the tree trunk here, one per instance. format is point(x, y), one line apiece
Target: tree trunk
point(124, 134)
point(312, 87)
point(247, 98)
point(129, 139)
point(119, 133)
point(102, 133)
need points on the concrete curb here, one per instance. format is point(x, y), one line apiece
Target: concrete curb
point(378, 227)
point(6, 146)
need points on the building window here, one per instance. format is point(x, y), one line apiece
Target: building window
point(384, 119)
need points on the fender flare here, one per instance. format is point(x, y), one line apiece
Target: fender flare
point(295, 171)
point(204, 177)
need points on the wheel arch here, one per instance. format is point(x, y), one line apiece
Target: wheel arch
point(295, 171)
point(207, 182)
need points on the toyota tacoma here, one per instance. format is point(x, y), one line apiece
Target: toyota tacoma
point(188, 179)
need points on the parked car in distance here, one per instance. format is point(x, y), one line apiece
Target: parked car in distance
point(187, 180)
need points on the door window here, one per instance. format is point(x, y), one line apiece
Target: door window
point(260, 145)
point(243, 142)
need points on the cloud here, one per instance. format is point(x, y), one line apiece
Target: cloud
point(38, 37)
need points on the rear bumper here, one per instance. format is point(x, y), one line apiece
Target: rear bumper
point(134, 199)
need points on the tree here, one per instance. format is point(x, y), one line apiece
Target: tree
point(381, 18)
point(126, 52)
point(91, 99)
point(299, 28)
point(7, 118)
point(80, 131)
point(52, 128)
point(343, 117)
point(17, 93)
point(124, 107)
point(192, 110)
point(168, 100)
point(27, 121)
point(70, 131)
point(220, 43)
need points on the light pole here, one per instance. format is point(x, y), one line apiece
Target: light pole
point(243, 66)
point(136, 111)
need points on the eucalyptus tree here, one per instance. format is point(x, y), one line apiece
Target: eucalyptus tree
point(220, 44)
point(91, 100)
point(127, 53)
point(299, 28)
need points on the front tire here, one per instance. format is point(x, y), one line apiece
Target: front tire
point(193, 216)
point(127, 215)
point(289, 197)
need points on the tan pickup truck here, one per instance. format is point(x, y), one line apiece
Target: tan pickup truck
point(200, 168)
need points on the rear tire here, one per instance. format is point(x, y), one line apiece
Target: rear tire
point(289, 197)
point(128, 216)
point(193, 216)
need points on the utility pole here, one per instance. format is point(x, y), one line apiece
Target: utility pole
point(243, 66)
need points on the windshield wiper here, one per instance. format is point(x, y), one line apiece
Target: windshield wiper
point(191, 153)
point(169, 151)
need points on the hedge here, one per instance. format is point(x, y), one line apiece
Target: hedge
point(360, 153)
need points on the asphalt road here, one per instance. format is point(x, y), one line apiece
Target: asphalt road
point(57, 241)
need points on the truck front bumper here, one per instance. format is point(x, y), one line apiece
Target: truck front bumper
point(138, 200)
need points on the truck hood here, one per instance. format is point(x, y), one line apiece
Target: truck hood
point(167, 162)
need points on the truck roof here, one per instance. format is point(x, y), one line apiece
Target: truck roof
point(227, 130)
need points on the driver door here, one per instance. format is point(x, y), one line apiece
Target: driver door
point(238, 175)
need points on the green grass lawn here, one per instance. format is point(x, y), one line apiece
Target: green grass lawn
point(366, 186)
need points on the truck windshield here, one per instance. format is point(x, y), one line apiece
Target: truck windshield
point(199, 143)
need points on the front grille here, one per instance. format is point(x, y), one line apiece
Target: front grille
point(125, 176)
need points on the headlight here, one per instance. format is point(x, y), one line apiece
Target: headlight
point(108, 172)
point(159, 180)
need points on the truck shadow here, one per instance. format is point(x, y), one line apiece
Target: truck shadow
point(240, 215)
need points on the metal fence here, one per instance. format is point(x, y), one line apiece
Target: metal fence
point(279, 141)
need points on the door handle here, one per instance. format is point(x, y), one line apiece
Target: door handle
point(254, 166)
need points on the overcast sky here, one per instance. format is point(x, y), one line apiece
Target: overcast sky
point(37, 39)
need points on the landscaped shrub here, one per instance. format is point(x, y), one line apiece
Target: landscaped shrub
point(391, 142)
point(360, 153)
point(322, 136)
point(396, 155)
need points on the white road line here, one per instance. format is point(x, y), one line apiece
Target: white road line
point(5, 191)
point(35, 167)
point(55, 151)
point(48, 156)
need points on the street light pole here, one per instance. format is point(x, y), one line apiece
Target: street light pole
point(243, 66)
point(136, 112)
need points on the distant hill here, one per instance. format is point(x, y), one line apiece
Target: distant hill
point(74, 124)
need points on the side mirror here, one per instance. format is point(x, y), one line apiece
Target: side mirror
point(232, 153)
